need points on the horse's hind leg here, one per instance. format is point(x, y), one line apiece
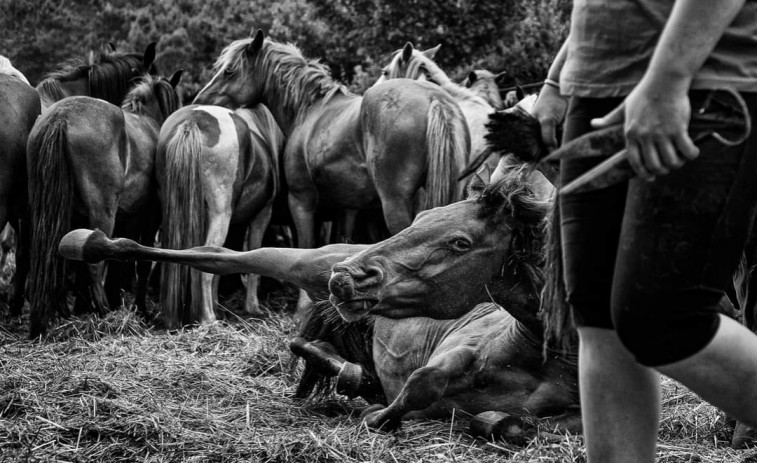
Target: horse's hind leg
point(150, 227)
point(23, 261)
point(257, 229)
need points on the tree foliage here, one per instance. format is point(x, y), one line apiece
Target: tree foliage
point(354, 37)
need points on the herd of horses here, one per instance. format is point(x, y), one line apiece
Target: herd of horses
point(439, 313)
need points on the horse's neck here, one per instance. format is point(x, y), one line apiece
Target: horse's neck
point(521, 303)
point(292, 97)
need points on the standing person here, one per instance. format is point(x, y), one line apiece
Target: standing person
point(646, 262)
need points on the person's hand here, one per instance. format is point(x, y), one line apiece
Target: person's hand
point(656, 119)
point(549, 109)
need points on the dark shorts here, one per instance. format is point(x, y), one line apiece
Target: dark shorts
point(652, 259)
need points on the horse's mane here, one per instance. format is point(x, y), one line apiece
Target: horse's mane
point(152, 88)
point(513, 197)
point(109, 77)
point(295, 82)
point(353, 340)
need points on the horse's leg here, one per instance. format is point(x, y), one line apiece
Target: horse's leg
point(352, 378)
point(219, 219)
point(398, 213)
point(303, 209)
point(346, 225)
point(150, 225)
point(257, 229)
point(425, 386)
point(23, 244)
point(120, 274)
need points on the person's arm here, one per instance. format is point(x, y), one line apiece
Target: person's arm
point(550, 106)
point(657, 111)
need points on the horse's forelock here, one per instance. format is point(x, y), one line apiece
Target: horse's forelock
point(151, 87)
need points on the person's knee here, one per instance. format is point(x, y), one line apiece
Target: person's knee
point(665, 329)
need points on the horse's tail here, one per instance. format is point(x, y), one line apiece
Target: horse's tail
point(184, 224)
point(447, 147)
point(51, 190)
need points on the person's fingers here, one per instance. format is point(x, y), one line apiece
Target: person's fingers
point(651, 159)
point(669, 157)
point(616, 116)
point(633, 152)
point(686, 146)
point(549, 133)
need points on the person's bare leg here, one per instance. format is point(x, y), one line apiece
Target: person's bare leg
point(724, 373)
point(620, 400)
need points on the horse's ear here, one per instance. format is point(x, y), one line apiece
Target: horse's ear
point(500, 75)
point(407, 52)
point(431, 52)
point(149, 57)
point(472, 76)
point(478, 182)
point(519, 93)
point(257, 42)
point(112, 47)
point(175, 78)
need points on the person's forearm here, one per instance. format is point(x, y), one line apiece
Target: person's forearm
point(557, 63)
point(689, 36)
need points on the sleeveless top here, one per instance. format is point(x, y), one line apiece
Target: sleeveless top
point(611, 43)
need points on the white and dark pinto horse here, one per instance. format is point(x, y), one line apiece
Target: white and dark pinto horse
point(215, 168)
point(453, 306)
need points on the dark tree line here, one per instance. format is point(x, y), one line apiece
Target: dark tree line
point(354, 37)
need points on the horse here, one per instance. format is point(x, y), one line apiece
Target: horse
point(109, 78)
point(215, 168)
point(21, 106)
point(346, 152)
point(484, 84)
point(411, 63)
point(87, 161)
point(418, 327)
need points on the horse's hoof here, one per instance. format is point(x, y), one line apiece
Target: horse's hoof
point(349, 379)
point(495, 425)
point(370, 410)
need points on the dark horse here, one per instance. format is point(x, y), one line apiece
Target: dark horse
point(20, 108)
point(346, 152)
point(88, 160)
point(108, 78)
point(437, 341)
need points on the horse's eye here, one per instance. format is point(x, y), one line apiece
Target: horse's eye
point(384, 72)
point(460, 245)
point(228, 71)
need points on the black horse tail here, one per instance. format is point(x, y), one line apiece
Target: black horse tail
point(184, 224)
point(51, 191)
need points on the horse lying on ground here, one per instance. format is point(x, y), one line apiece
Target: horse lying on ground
point(215, 168)
point(92, 162)
point(438, 342)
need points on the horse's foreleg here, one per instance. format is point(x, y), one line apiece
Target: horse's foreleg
point(255, 234)
point(423, 388)
point(346, 225)
point(398, 213)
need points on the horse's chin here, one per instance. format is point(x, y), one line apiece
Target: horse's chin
point(353, 310)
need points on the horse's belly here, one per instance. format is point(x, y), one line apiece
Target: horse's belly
point(346, 186)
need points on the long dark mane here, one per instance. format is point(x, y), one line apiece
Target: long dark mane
point(109, 77)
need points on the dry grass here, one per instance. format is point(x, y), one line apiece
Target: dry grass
point(114, 389)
